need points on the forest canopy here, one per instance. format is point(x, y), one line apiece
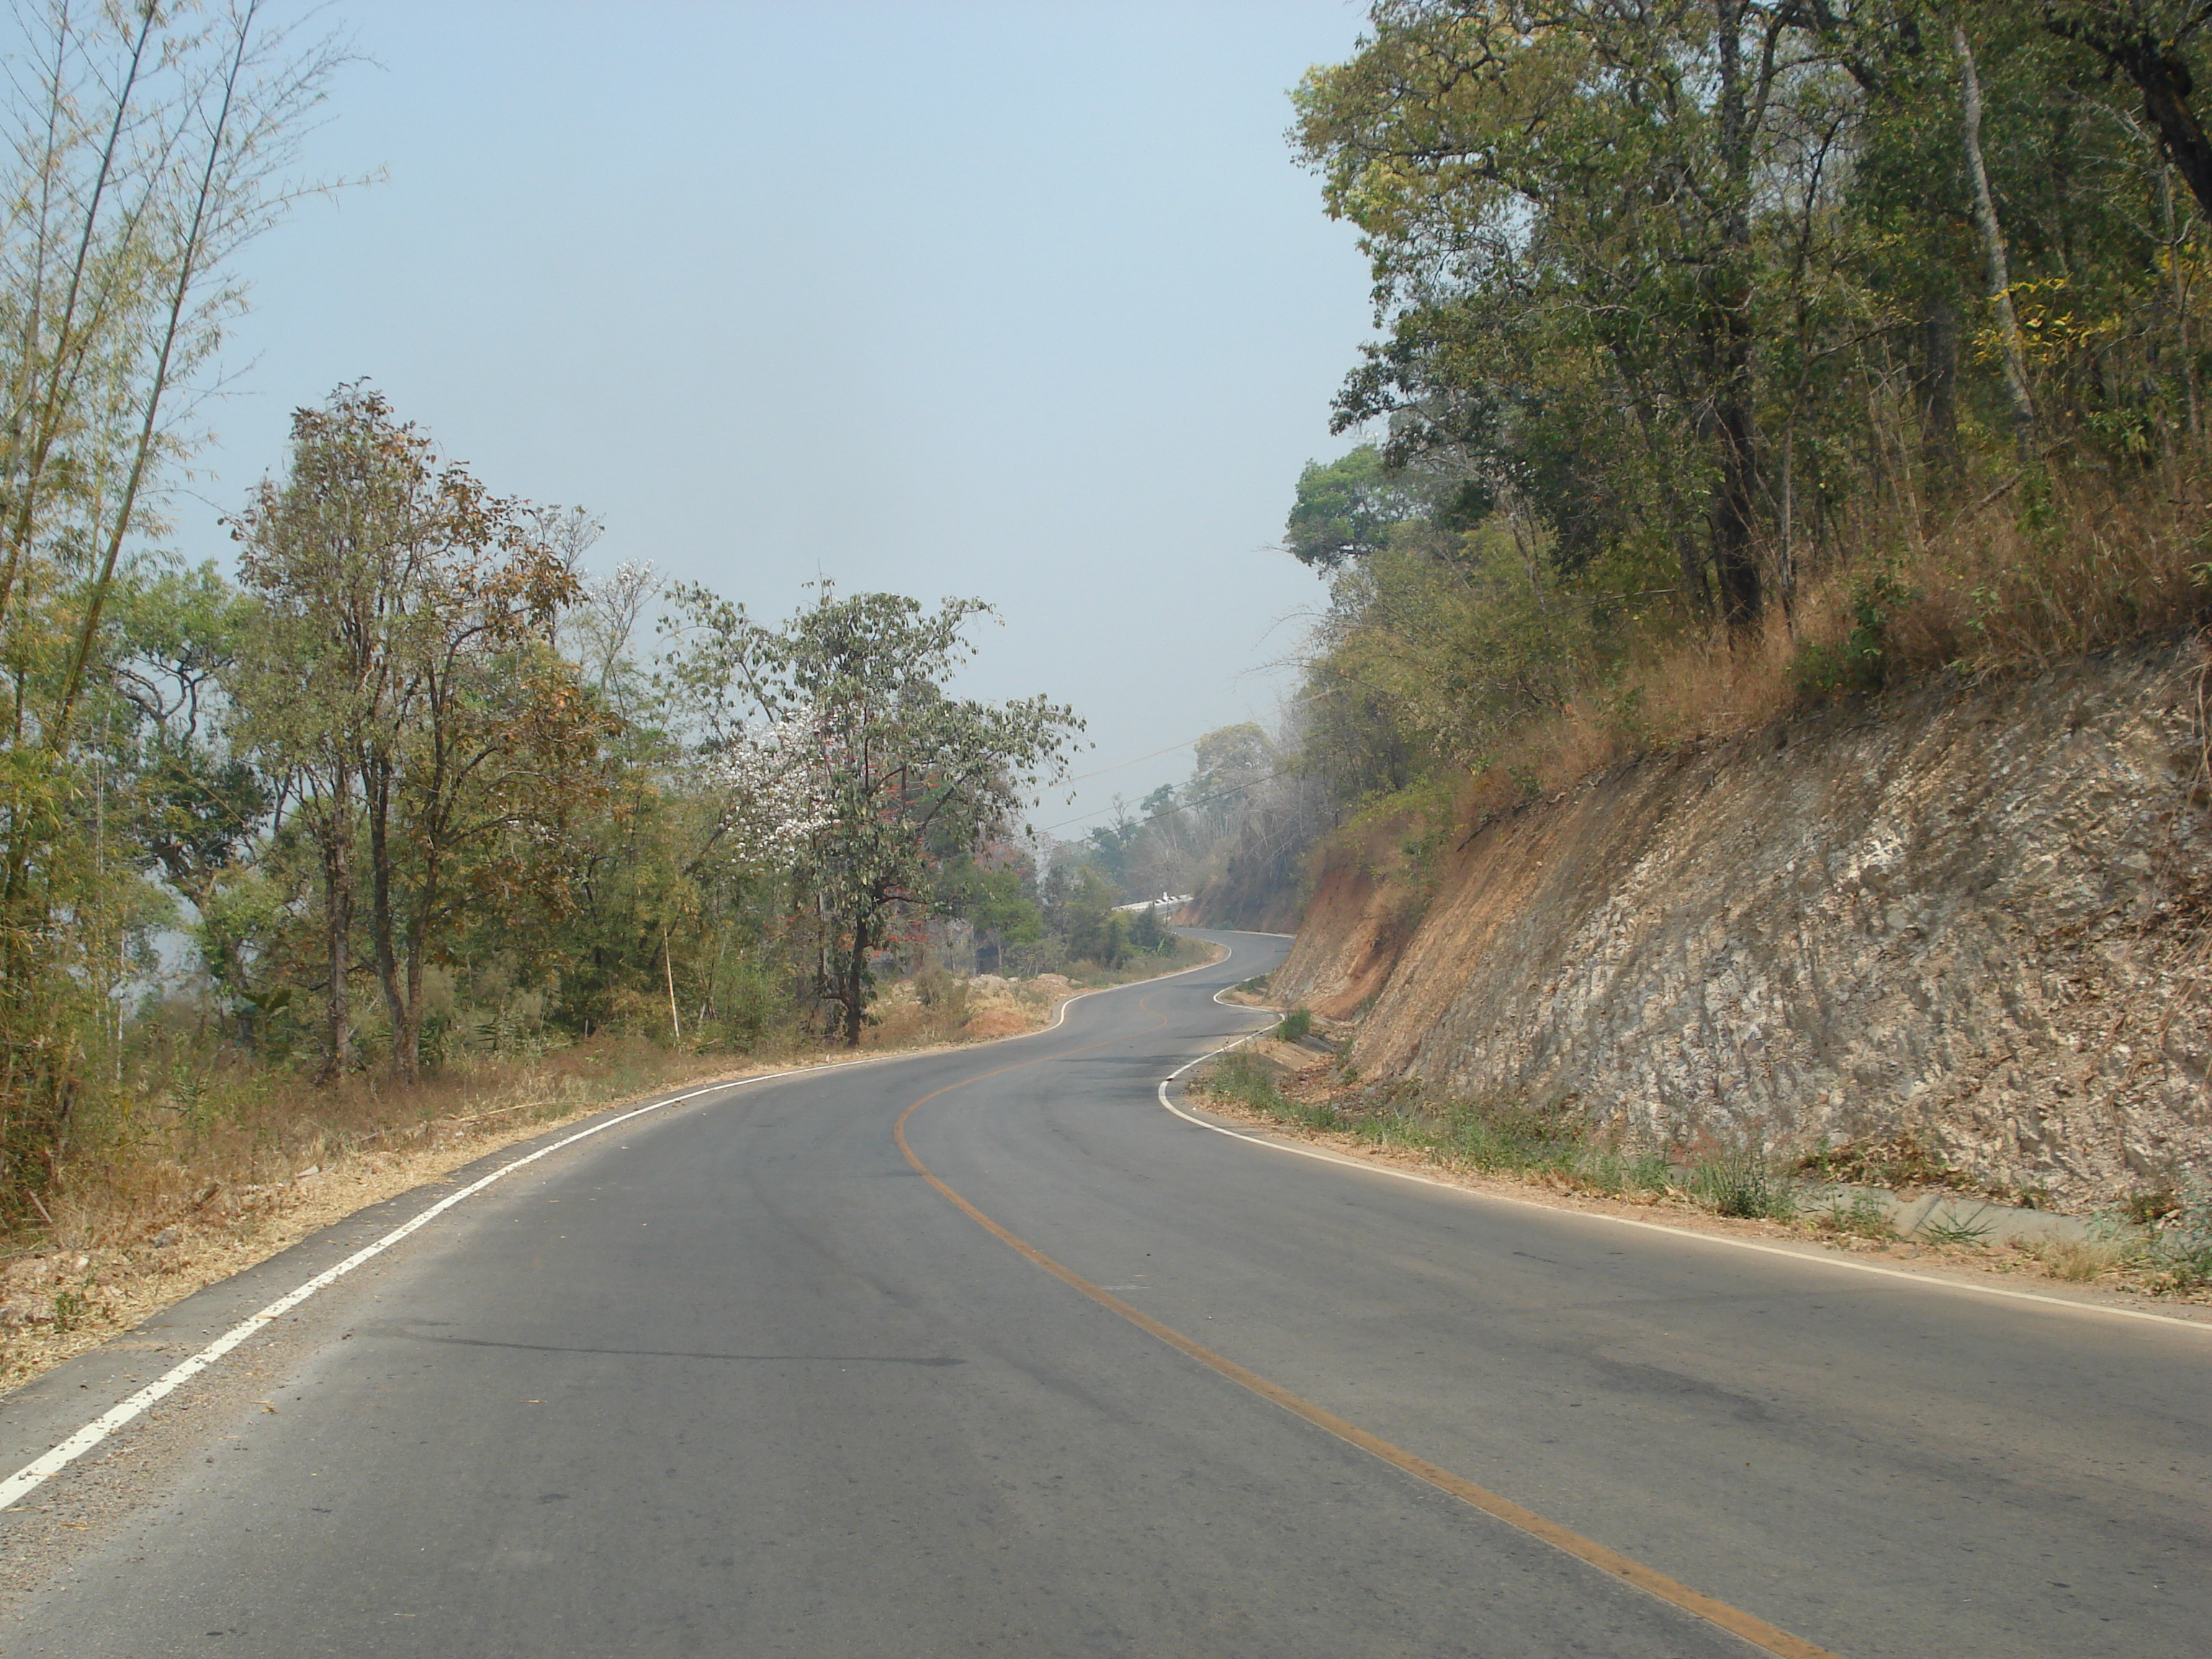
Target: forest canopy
point(1734, 352)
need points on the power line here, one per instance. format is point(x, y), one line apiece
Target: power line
point(1155, 755)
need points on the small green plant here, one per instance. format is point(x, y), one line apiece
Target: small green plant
point(1863, 1217)
point(1254, 985)
point(1294, 1027)
point(71, 1309)
point(2176, 1246)
point(1610, 1170)
point(1743, 1185)
point(1950, 1229)
point(1316, 1114)
point(1243, 1079)
point(2148, 1209)
point(1858, 665)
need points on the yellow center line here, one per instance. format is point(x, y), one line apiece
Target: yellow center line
point(1757, 1631)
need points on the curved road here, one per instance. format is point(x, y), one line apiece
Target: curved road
point(737, 1379)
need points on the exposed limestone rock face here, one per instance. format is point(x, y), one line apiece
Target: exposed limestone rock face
point(1983, 915)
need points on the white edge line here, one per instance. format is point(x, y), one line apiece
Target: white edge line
point(27, 1479)
point(1926, 1281)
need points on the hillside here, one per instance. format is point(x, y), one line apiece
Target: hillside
point(1976, 915)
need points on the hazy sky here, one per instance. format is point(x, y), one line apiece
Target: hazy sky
point(1024, 300)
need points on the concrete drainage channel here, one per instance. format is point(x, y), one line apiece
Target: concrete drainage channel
point(1944, 1217)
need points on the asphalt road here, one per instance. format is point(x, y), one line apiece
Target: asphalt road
point(737, 1380)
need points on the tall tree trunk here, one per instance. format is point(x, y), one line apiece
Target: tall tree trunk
point(407, 1033)
point(1727, 330)
point(1935, 390)
point(1998, 266)
point(856, 969)
point(335, 835)
point(382, 933)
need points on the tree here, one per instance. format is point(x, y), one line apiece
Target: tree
point(1226, 763)
point(196, 805)
point(145, 144)
point(2147, 42)
point(1347, 509)
point(1561, 203)
point(1097, 931)
point(989, 892)
point(400, 672)
point(900, 767)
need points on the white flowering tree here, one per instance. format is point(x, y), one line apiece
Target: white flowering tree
point(845, 762)
point(775, 788)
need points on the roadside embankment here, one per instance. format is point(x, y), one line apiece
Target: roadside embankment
point(1969, 923)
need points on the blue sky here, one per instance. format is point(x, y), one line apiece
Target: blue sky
point(1024, 300)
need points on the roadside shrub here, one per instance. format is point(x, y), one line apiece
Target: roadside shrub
point(1863, 1217)
point(2078, 1259)
point(1743, 1185)
point(1246, 1080)
point(2176, 1246)
point(1295, 1026)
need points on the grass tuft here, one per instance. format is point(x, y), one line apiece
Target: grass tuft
point(2175, 1246)
point(2078, 1261)
point(1744, 1185)
point(1863, 1217)
point(1948, 1229)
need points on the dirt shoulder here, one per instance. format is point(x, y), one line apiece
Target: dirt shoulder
point(2093, 1280)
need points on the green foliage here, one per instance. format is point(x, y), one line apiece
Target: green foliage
point(413, 797)
point(1743, 1184)
point(1446, 650)
point(1242, 1078)
point(1858, 665)
point(145, 146)
point(1687, 312)
point(1294, 1026)
point(1147, 933)
point(1347, 507)
point(395, 672)
point(870, 774)
point(1095, 930)
point(2174, 1246)
point(1951, 1229)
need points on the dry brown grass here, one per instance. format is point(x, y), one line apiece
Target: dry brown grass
point(2093, 562)
point(2016, 579)
point(2076, 1260)
point(174, 1207)
point(229, 1125)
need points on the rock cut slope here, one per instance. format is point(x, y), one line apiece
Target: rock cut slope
point(1975, 916)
